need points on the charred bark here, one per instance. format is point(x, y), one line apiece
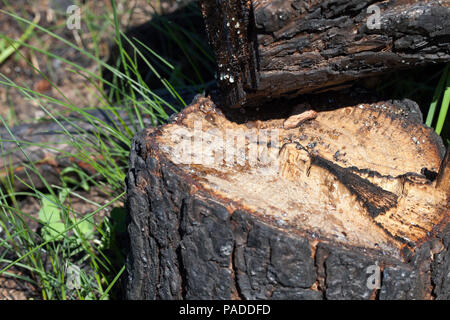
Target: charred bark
point(44, 149)
point(304, 230)
point(266, 49)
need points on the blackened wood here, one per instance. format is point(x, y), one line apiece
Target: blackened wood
point(44, 149)
point(307, 46)
point(231, 31)
point(188, 241)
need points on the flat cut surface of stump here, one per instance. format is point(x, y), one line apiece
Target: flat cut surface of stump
point(242, 206)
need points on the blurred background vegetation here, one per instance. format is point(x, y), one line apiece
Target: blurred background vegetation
point(138, 62)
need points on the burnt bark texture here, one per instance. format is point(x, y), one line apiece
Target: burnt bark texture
point(269, 48)
point(188, 241)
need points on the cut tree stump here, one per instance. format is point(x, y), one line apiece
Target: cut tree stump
point(269, 48)
point(336, 197)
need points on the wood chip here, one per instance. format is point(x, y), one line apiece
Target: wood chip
point(295, 120)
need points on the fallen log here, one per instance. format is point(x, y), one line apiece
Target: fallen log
point(31, 151)
point(269, 48)
point(350, 201)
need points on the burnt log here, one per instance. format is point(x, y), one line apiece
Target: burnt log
point(269, 48)
point(349, 201)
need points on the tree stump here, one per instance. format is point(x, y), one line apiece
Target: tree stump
point(336, 197)
point(271, 48)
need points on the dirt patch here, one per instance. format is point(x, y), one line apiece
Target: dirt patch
point(12, 288)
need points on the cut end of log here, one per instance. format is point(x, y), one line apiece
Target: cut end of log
point(350, 175)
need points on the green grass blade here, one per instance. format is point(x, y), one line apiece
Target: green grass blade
point(436, 97)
